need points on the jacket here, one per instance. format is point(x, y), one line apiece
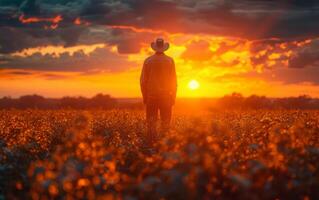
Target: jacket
point(158, 78)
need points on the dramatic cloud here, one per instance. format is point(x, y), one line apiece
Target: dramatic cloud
point(77, 59)
point(273, 40)
point(246, 19)
point(198, 51)
point(307, 56)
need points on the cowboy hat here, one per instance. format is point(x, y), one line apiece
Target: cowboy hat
point(159, 45)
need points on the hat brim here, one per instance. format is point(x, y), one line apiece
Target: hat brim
point(159, 49)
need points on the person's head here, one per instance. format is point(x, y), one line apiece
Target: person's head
point(159, 46)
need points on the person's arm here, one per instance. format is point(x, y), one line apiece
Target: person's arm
point(143, 81)
point(174, 81)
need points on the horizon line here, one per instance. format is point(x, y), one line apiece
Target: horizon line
point(140, 97)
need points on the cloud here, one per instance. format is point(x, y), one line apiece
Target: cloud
point(289, 19)
point(283, 75)
point(57, 51)
point(30, 7)
point(52, 76)
point(262, 35)
point(129, 41)
point(53, 20)
point(268, 54)
point(308, 56)
point(100, 59)
point(20, 72)
point(236, 19)
point(296, 75)
point(197, 51)
point(224, 47)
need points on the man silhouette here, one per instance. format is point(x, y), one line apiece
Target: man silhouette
point(158, 85)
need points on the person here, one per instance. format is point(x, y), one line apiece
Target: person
point(158, 85)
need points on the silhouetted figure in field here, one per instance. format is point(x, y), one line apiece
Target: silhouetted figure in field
point(158, 85)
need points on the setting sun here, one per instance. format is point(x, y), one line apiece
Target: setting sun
point(193, 85)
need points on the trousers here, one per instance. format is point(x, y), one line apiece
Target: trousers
point(152, 109)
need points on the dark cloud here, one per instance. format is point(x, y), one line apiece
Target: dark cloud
point(22, 73)
point(12, 40)
point(294, 62)
point(267, 54)
point(295, 76)
point(248, 19)
point(19, 72)
point(242, 18)
point(70, 35)
point(100, 60)
point(282, 74)
point(16, 39)
point(51, 76)
point(259, 21)
point(307, 56)
point(128, 46)
point(95, 8)
point(156, 14)
point(292, 54)
point(30, 7)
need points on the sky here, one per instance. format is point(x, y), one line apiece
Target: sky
point(61, 48)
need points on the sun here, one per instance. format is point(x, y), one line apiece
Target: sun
point(193, 85)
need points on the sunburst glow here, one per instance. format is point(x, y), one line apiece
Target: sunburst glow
point(193, 85)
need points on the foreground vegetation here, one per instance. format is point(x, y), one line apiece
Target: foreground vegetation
point(100, 155)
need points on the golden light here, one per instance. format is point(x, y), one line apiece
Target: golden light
point(193, 85)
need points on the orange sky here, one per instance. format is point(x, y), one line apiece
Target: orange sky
point(59, 48)
point(220, 66)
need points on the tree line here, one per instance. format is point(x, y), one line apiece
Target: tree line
point(36, 101)
point(237, 101)
point(104, 101)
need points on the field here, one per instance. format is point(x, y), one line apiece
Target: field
point(99, 155)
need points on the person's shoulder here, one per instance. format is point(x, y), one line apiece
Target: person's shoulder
point(159, 57)
point(148, 59)
point(169, 58)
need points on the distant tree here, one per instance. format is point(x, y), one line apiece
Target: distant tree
point(74, 102)
point(257, 102)
point(301, 102)
point(233, 101)
point(102, 101)
point(31, 101)
point(98, 101)
point(6, 102)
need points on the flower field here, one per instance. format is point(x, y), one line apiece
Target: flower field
point(67, 154)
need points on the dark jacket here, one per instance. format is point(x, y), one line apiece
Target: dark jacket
point(158, 78)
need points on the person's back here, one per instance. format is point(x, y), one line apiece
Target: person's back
point(160, 77)
point(158, 85)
